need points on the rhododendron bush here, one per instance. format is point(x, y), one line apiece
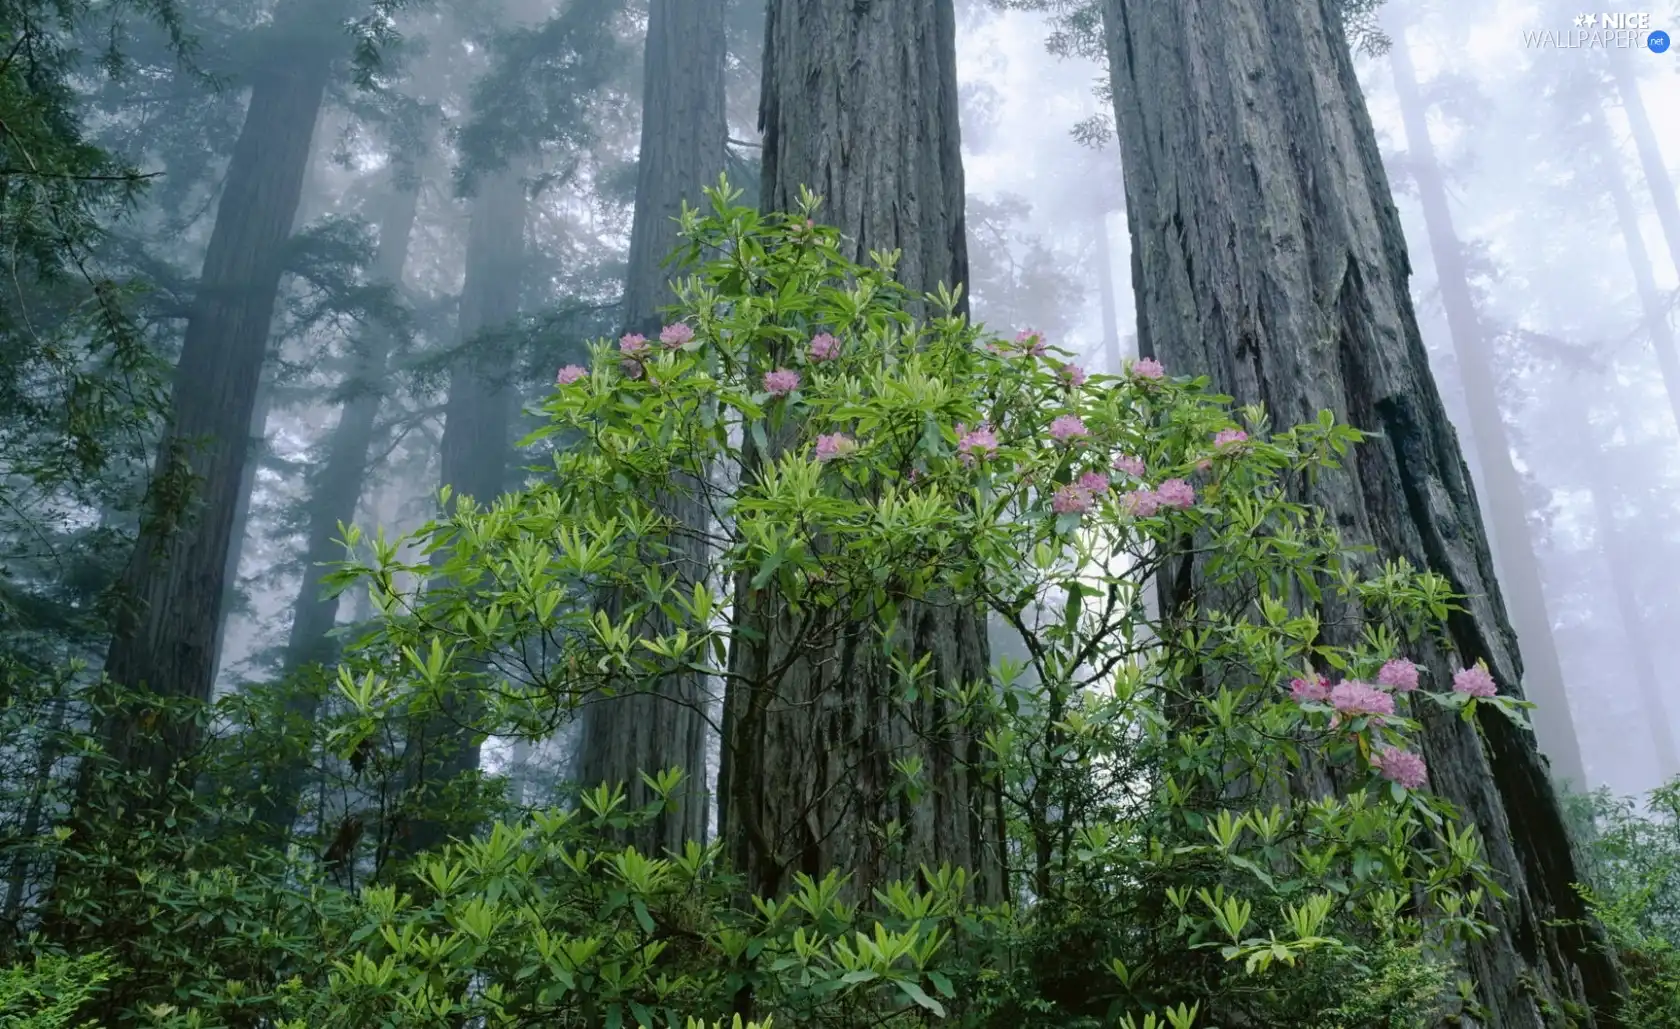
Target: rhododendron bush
point(1207, 817)
point(1204, 808)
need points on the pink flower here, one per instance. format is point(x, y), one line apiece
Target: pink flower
point(824, 347)
point(1311, 690)
point(1176, 493)
point(1148, 368)
point(570, 374)
point(1071, 499)
point(1356, 698)
point(781, 382)
point(1141, 503)
point(632, 344)
point(1073, 375)
point(1068, 427)
point(1094, 483)
point(1130, 465)
point(1032, 342)
point(975, 444)
point(1475, 682)
point(1399, 674)
point(1230, 439)
point(674, 336)
point(834, 446)
point(1401, 766)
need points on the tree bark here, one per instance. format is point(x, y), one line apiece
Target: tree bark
point(1271, 258)
point(860, 104)
point(176, 579)
point(684, 135)
point(333, 500)
point(474, 453)
point(1509, 534)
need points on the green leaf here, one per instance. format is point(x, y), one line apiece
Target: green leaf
point(643, 919)
point(917, 994)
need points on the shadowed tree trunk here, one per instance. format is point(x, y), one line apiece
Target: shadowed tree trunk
point(1508, 529)
point(860, 104)
point(474, 453)
point(684, 134)
point(176, 580)
point(337, 491)
point(1270, 257)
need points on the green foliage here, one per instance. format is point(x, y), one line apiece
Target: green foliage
point(1634, 857)
point(1188, 845)
point(47, 993)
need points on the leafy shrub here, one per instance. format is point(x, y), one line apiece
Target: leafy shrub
point(1198, 826)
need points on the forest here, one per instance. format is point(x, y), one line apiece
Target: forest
point(848, 514)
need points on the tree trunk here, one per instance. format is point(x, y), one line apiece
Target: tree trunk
point(1508, 530)
point(1650, 154)
point(257, 443)
point(860, 104)
point(684, 133)
point(1271, 258)
point(336, 493)
point(176, 580)
point(474, 453)
point(1639, 259)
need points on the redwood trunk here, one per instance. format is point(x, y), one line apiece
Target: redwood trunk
point(1508, 530)
point(1651, 160)
point(684, 133)
point(860, 104)
point(1270, 257)
point(177, 580)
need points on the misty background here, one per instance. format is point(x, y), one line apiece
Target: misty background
point(1542, 180)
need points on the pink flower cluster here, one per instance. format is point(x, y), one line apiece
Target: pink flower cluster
point(1400, 675)
point(824, 347)
point(1078, 496)
point(632, 344)
point(975, 444)
point(1174, 493)
point(780, 382)
point(674, 336)
point(1068, 427)
point(1475, 682)
point(1073, 375)
point(1311, 690)
point(1357, 699)
point(1129, 465)
point(1401, 766)
point(570, 374)
point(1032, 342)
point(835, 446)
point(1229, 439)
point(1148, 368)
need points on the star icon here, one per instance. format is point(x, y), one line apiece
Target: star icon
point(1585, 20)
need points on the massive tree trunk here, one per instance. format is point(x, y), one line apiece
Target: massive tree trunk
point(474, 454)
point(860, 104)
point(167, 643)
point(1508, 529)
point(1651, 161)
point(1270, 257)
point(337, 491)
point(684, 134)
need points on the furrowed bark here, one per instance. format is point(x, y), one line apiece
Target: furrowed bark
point(684, 134)
point(1270, 257)
point(1508, 531)
point(860, 104)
